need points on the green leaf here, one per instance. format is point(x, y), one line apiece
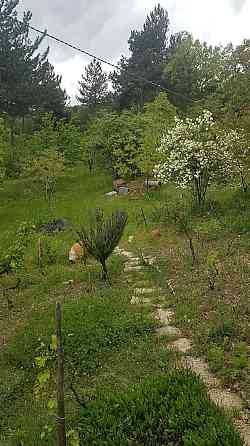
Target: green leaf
point(52, 404)
point(43, 377)
point(73, 438)
point(40, 361)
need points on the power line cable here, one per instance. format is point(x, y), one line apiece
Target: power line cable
point(104, 61)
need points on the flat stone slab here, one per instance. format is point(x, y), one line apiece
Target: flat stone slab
point(164, 316)
point(136, 300)
point(128, 254)
point(129, 269)
point(243, 427)
point(200, 368)
point(168, 330)
point(133, 263)
point(182, 345)
point(226, 399)
point(145, 290)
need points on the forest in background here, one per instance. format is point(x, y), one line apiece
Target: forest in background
point(120, 128)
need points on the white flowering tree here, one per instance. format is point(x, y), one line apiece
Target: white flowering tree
point(193, 156)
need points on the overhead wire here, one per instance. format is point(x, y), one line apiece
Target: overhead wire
point(106, 62)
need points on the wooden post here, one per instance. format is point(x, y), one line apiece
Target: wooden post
point(61, 433)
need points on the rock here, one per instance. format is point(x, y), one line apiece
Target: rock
point(123, 190)
point(111, 194)
point(131, 238)
point(130, 269)
point(136, 300)
point(164, 316)
point(182, 345)
point(128, 254)
point(168, 330)
point(156, 233)
point(62, 224)
point(117, 184)
point(152, 184)
point(200, 368)
point(145, 290)
point(226, 399)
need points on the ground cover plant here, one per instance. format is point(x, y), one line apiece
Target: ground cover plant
point(171, 409)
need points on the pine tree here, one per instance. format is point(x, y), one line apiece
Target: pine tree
point(148, 49)
point(52, 97)
point(93, 87)
point(23, 70)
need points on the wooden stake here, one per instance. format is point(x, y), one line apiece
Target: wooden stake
point(61, 433)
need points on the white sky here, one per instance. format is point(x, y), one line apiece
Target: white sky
point(103, 26)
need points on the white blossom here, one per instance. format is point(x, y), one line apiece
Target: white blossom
point(192, 154)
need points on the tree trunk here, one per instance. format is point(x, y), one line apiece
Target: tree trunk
point(105, 276)
point(243, 183)
point(61, 433)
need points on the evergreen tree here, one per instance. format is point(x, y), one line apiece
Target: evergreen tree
point(52, 97)
point(148, 49)
point(93, 87)
point(24, 72)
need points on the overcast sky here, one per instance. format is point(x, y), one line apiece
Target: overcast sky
point(103, 26)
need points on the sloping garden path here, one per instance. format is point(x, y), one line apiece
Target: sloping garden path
point(143, 294)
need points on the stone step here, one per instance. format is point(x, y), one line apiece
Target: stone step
point(168, 330)
point(182, 345)
point(136, 268)
point(136, 300)
point(164, 316)
point(146, 290)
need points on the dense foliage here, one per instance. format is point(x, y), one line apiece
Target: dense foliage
point(173, 409)
point(28, 80)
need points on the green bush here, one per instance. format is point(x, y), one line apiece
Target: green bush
point(170, 410)
point(224, 329)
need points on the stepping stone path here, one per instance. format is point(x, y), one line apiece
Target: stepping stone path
point(224, 398)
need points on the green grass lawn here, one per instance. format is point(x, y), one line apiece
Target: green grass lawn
point(110, 344)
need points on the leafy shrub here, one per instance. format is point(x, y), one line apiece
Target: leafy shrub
point(170, 410)
point(223, 329)
point(13, 260)
point(209, 229)
point(49, 250)
point(239, 224)
point(216, 358)
point(232, 366)
point(239, 362)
